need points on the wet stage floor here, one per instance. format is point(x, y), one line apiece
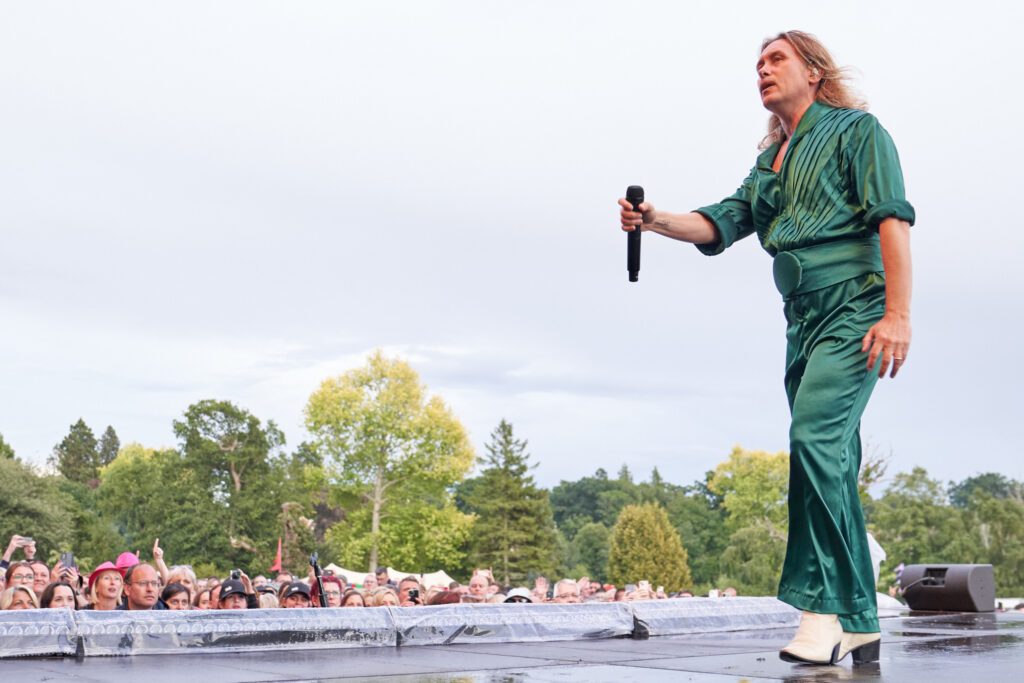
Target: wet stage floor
point(947, 647)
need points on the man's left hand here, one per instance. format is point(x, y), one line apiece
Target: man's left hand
point(888, 339)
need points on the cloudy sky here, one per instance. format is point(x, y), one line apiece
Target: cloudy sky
point(238, 200)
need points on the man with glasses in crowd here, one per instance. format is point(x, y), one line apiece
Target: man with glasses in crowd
point(142, 588)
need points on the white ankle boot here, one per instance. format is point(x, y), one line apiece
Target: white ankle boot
point(864, 647)
point(817, 641)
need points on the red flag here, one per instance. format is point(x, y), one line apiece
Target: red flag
point(277, 560)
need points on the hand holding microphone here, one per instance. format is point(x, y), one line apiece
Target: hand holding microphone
point(632, 222)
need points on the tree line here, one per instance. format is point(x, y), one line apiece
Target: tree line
point(387, 477)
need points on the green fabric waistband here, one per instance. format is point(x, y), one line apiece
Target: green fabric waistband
point(807, 269)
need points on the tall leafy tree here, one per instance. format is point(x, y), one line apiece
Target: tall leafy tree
point(514, 531)
point(232, 455)
point(754, 486)
point(75, 456)
point(108, 447)
point(149, 493)
point(391, 453)
point(645, 546)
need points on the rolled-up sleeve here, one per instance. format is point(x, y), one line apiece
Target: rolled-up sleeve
point(875, 174)
point(732, 216)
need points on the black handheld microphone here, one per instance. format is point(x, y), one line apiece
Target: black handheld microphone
point(635, 196)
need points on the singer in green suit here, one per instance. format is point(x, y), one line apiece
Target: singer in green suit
point(826, 200)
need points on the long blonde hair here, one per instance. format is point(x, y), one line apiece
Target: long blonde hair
point(833, 88)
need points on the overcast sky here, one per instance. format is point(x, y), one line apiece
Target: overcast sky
point(238, 200)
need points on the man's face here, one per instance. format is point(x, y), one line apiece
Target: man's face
point(369, 582)
point(259, 580)
point(382, 578)
point(144, 588)
point(782, 77)
point(404, 588)
point(284, 577)
point(41, 578)
point(233, 601)
point(566, 593)
point(296, 600)
point(478, 586)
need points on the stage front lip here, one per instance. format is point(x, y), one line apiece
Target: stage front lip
point(28, 633)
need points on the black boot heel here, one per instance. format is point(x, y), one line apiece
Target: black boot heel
point(866, 653)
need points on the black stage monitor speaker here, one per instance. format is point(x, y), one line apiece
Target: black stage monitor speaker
point(949, 587)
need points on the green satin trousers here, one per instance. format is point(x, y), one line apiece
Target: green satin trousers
point(828, 565)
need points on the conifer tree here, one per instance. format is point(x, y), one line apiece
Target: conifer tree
point(646, 546)
point(75, 456)
point(514, 531)
point(108, 447)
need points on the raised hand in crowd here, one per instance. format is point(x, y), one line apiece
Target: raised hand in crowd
point(16, 542)
point(158, 560)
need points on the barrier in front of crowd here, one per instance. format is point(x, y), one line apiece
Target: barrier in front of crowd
point(26, 633)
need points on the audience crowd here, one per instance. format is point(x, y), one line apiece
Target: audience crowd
point(130, 584)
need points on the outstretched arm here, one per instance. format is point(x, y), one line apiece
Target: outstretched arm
point(686, 227)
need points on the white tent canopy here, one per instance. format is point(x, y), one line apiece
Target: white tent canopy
point(438, 578)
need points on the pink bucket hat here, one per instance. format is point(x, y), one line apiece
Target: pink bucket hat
point(105, 567)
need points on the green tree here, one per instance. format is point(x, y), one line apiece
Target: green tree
point(754, 486)
point(992, 483)
point(108, 447)
point(148, 494)
point(645, 546)
point(998, 526)
point(96, 537)
point(32, 505)
point(752, 562)
point(514, 532)
point(75, 456)
point(391, 454)
point(591, 499)
point(700, 521)
point(5, 449)
point(232, 455)
point(590, 548)
point(914, 523)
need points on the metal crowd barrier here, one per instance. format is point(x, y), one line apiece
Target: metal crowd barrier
point(41, 632)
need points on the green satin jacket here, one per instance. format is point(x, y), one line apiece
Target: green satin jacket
point(839, 179)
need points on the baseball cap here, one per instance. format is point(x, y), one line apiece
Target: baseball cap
point(231, 587)
point(294, 588)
